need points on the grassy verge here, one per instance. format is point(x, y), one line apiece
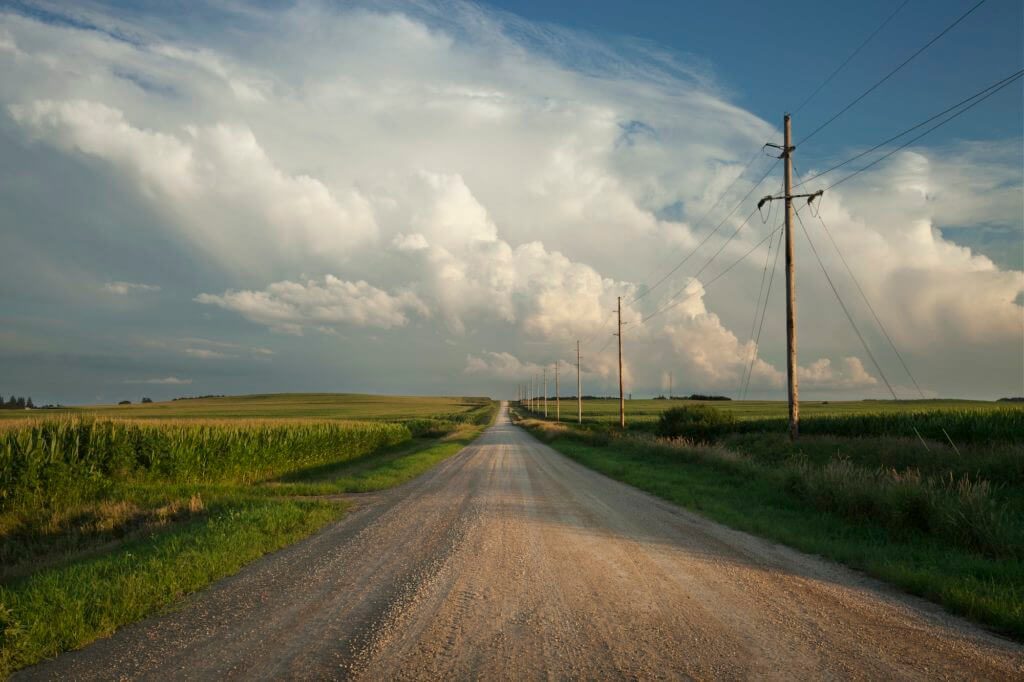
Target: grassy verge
point(386, 469)
point(881, 525)
point(66, 607)
point(101, 525)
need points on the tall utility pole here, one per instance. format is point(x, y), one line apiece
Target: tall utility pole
point(558, 398)
point(545, 392)
point(579, 387)
point(794, 394)
point(670, 385)
point(622, 399)
point(791, 366)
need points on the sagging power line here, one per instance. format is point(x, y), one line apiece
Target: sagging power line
point(891, 73)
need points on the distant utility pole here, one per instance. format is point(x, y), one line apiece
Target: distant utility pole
point(791, 364)
point(579, 387)
point(670, 385)
point(558, 398)
point(545, 392)
point(622, 399)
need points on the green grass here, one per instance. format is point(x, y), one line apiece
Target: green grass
point(65, 607)
point(103, 521)
point(960, 546)
point(386, 469)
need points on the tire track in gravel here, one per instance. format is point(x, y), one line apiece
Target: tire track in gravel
point(510, 560)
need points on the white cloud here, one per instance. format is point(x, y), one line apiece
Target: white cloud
point(289, 306)
point(173, 381)
point(206, 354)
point(484, 175)
point(125, 288)
point(822, 374)
point(216, 175)
point(500, 365)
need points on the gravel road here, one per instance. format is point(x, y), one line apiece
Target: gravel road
point(510, 561)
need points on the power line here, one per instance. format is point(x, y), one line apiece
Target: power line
point(764, 309)
point(593, 336)
point(870, 307)
point(997, 84)
point(893, 72)
point(757, 307)
point(706, 238)
point(708, 212)
point(867, 301)
point(741, 258)
point(670, 305)
point(852, 55)
point(915, 139)
point(849, 317)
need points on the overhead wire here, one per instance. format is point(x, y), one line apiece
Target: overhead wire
point(760, 327)
point(926, 132)
point(852, 55)
point(757, 306)
point(892, 73)
point(864, 297)
point(874, 314)
point(669, 305)
point(842, 305)
point(998, 84)
point(706, 238)
point(741, 258)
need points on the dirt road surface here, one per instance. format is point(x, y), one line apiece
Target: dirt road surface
point(510, 561)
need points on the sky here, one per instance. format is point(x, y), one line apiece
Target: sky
point(433, 197)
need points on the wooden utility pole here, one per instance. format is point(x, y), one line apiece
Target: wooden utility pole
point(579, 387)
point(558, 398)
point(670, 385)
point(545, 392)
point(791, 366)
point(622, 399)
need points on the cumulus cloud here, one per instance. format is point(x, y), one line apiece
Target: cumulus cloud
point(205, 176)
point(171, 381)
point(290, 306)
point(849, 374)
point(482, 175)
point(125, 288)
point(206, 353)
point(500, 365)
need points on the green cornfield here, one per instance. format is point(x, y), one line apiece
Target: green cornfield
point(71, 460)
point(960, 426)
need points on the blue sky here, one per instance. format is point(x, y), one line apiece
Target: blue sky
point(437, 197)
point(769, 58)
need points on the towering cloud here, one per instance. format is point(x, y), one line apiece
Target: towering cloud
point(422, 170)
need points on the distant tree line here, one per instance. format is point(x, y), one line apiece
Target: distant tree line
point(197, 397)
point(1011, 400)
point(16, 403)
point(694, 396)
point(128, 402)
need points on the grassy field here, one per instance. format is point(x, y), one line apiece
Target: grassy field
point(282, 405)
point(647, 411)
point(108, 516)
point(939, 519)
